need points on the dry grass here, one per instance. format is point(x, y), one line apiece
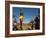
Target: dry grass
point(25, 26)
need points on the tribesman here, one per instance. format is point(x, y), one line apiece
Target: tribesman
point(21, 18)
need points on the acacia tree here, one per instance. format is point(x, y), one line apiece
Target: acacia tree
point(37, 20)
point(14, 24)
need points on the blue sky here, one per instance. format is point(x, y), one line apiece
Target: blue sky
point(29, 13)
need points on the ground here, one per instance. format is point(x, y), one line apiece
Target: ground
point(24, 26)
